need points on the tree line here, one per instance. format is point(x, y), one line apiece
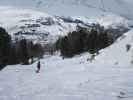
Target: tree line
point(18, 51)
point(83, 40)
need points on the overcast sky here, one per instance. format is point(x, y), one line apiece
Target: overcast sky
point(72, 6)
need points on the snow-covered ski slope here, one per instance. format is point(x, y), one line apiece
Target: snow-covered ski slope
point(118, 52)
point(108, 77)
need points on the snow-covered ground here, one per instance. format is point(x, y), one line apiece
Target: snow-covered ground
point(108, 77)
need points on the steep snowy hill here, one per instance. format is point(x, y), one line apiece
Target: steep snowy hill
point(118, 53)
point(76, 7)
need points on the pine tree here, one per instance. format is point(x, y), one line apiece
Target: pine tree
point(5, 44)
point(23, 52)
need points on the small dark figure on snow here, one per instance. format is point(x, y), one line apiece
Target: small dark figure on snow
point(128, 46)
point(38, 67)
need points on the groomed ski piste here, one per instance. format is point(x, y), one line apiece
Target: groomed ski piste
point(108, 77)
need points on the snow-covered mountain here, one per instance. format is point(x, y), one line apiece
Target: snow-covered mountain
point(36, 25)
point(76, 7)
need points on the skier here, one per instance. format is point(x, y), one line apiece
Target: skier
point(38, 67)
